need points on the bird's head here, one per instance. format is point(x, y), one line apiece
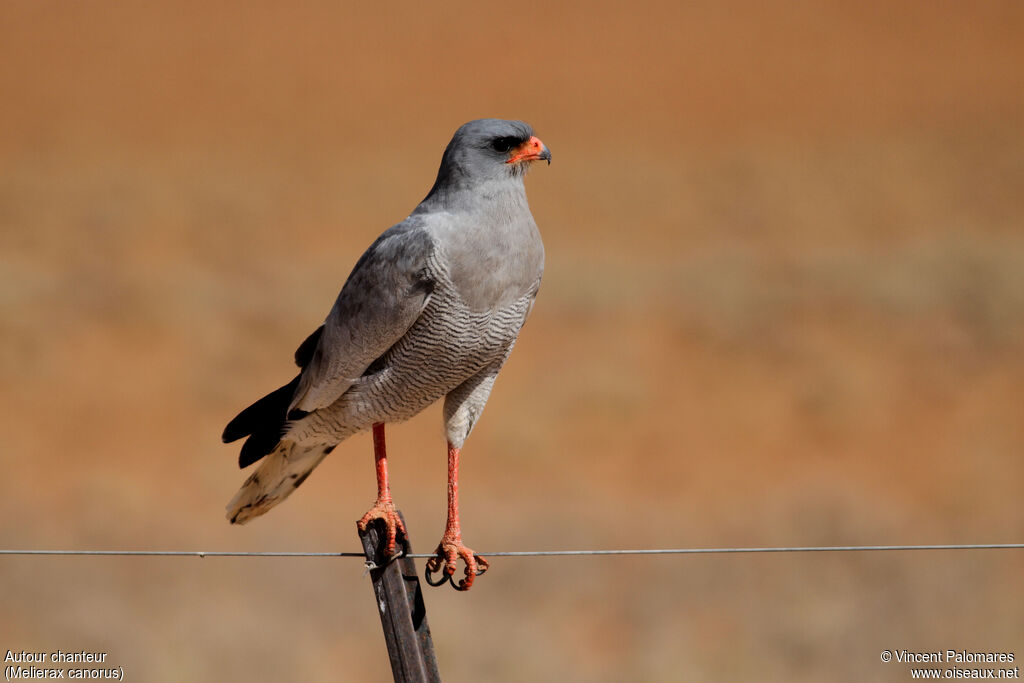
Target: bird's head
point(487, 150)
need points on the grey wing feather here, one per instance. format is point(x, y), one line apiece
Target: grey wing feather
point(382, 298)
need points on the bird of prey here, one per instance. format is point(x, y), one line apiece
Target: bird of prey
point(432, 309)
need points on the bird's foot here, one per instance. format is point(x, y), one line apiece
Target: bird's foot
point(386, 510)
point(446, 560)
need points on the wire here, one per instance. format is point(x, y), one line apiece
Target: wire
point(534, 553)
point(710, 551)
point(179, 553)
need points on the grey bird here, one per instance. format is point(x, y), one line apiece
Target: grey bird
point(432, 309)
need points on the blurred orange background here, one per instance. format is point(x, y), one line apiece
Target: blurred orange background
point(783, 305)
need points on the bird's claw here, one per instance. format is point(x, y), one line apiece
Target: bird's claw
point(385, 510)
point(446, 561)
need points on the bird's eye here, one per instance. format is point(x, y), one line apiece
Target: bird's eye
point(504, 144)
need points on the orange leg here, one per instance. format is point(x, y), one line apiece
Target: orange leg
point(451, 547)
point(384, 508)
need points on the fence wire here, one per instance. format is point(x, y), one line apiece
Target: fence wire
point(532, 553)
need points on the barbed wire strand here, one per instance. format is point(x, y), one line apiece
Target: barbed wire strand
point(531, 553)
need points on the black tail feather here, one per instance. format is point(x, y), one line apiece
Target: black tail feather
point(262, 422)
point(304, 354)
point(259, 444)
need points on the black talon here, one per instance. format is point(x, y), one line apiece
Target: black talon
point(444, 577)
point(440, 564)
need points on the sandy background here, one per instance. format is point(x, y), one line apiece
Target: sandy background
point(783, 305)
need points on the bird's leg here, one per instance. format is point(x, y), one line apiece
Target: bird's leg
point(384, 508)
point(451, 547)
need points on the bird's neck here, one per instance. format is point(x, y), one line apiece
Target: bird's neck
point(463, 195)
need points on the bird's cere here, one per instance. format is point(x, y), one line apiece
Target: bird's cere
point(531, 150)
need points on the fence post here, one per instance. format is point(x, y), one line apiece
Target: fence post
point(403, 616)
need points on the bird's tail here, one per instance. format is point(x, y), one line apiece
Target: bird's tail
point(280, 473)
point(263, 422)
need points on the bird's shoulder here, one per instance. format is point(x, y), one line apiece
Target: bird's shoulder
point(400, 251)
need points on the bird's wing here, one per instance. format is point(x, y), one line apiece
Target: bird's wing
point(382, 298)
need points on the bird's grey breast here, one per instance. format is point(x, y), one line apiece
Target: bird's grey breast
point(493, 260)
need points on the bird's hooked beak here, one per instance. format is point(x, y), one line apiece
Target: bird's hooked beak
point(531, 150)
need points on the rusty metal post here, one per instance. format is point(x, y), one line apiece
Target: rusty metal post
point(403, 616)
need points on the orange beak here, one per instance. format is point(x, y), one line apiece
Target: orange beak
point(531, 150)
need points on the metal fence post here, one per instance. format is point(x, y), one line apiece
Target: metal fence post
point(403, 616)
